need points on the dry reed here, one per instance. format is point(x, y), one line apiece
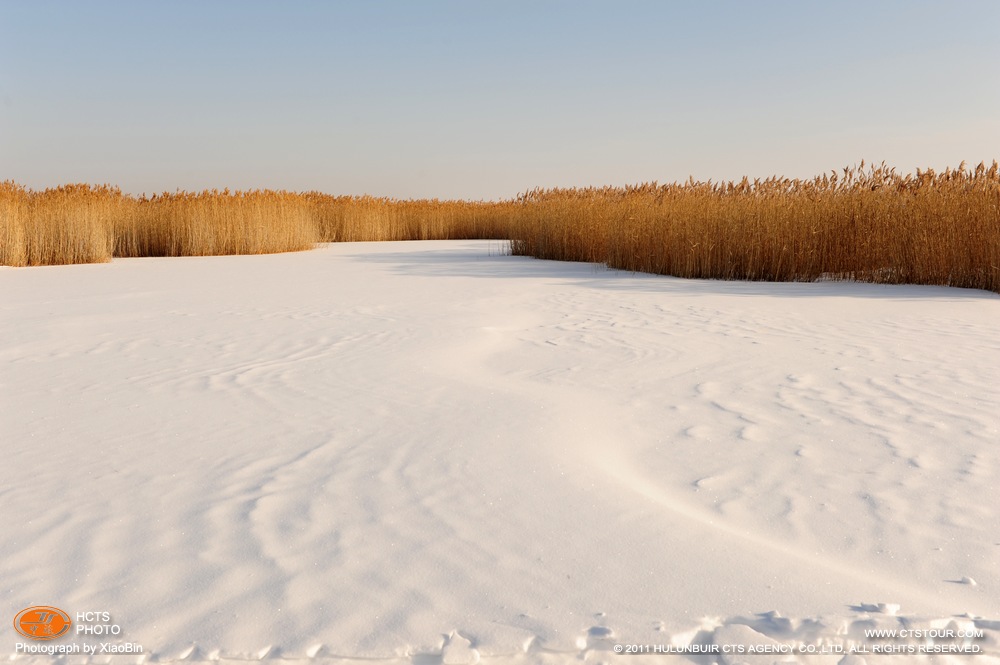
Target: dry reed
point(215, 223)
point(862, 224)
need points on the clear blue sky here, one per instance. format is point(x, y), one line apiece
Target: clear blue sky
point(485, 99)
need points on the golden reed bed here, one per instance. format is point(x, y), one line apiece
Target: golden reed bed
point(864, 224)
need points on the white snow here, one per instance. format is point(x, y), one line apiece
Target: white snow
point(433, 452)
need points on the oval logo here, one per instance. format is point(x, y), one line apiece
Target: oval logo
point(42, 622)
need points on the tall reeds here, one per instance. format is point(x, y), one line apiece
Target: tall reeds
point(366, 218)
point(67, 224)
point(215, 223)
point(86, 224)
point(866, 224)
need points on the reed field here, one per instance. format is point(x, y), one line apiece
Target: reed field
point(870, 225)
point(366, 218)
point(866, 224)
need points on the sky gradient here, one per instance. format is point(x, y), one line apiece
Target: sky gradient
point(483, 100)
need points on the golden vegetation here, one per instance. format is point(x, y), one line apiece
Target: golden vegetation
point(864, 224)
point(65, 225)
point(85, 224)
point(364, 218)
point(868, 225)
point(214, 223)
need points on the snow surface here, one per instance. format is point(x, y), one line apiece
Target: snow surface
point(433, 452)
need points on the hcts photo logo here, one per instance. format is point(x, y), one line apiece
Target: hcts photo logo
point(42, 622)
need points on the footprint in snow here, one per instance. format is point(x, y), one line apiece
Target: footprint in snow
point(458, 651)
point(601, 632)
point(768, 649)
point(595, 634)
point(892, 609)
